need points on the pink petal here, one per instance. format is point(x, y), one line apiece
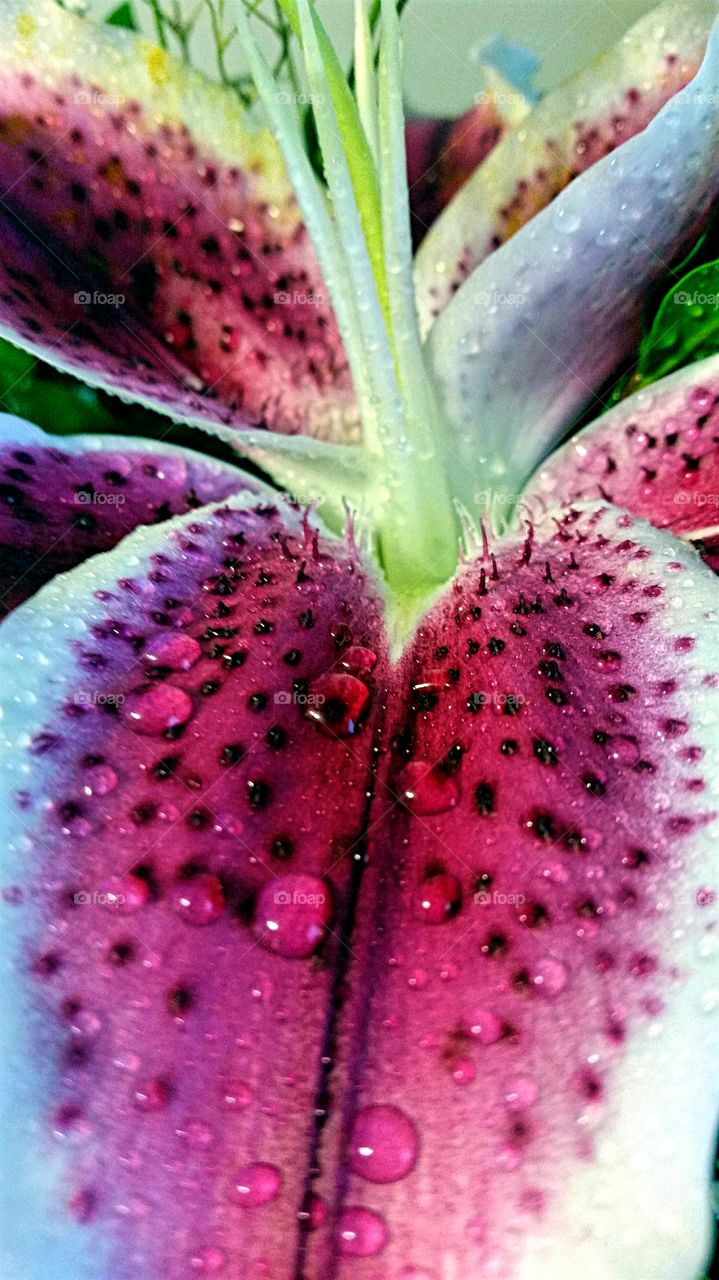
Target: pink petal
point(65, 498)
point(150, 239)
point(656, 453)
point(570, 130)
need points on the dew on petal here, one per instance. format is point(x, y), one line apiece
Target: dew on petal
point(384, 1144)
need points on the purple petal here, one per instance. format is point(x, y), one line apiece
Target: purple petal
point(516, 1082)
point(150, 240)
point(570, 130)
point(196, 840)
point(534, 1024)
point(64, 498)
point(656, 453)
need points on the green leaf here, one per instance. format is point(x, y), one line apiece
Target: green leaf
point(685, 329)
point(360, 161)
point(122, 16)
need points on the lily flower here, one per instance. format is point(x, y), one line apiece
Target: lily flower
point(359, 826)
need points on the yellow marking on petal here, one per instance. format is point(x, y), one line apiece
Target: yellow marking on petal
point(14, 130)
point(64, 218)
point(113, 173)
point(158, 65)
point(26, 25)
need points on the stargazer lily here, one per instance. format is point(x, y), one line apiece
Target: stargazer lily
point(360, 829)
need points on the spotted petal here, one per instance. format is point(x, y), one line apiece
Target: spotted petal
point(63, 499)
point(176, 920)
point(570, 130)
point(565, 297)
point(534, 1022)
point(241, 859)
point(657, 454)
point(150, 239)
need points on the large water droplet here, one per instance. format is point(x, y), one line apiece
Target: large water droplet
point(199, 900)
point(362, 1233)
point(549, 977)
point(292, 914)
point(384, 1144)
point(157, 709)
point(485, 1026)
point(426, 790)
point(438, 898)
point(256, 1184)
point(176, 651)
point(336, 704)
point(124, 894)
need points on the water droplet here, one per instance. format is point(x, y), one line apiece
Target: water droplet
point(124, 894)
point(358, 661)
point(362, 1233)
point(520, 1092)
point(198, 900)
point(99, 780)
point(464, 1071)
point(155, 710)
point(485, 1026)
point(566, 221)
point(208, 1261)
point(292, 914)
point(198, 1135)
point(438, 898)
point(426, 790)
point(624, 749)
point(336, 704)
point(175, 651)
point(549, 977)
point(256, 1184)
point(384, 1144)
point(237, 1095)
point(152, 1095)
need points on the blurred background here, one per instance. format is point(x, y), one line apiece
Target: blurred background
point(444, 39)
